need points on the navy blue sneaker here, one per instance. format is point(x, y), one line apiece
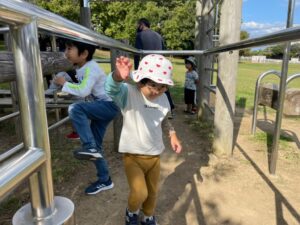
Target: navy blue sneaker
point(150, 221)
point(87, 154)
point(131, 218)
point(98, 186)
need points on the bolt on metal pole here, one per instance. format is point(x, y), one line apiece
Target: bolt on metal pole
point(282, 88)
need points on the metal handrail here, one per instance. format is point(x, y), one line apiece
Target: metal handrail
point(274, 72)
point(14, 114)
point(11, 152)
point(258, 81)
point(19, 12)
point(15, 12)
point(20, 167)
point(292, 77)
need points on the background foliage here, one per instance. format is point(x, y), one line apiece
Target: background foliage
point(173, 19)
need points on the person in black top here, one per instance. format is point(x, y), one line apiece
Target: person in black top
point(147, 39)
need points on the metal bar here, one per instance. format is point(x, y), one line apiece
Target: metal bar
point(282, 88)
point(292, 77)
point(31, 97)
point(4, 30)
point(10, 152)
point(14, 172)
point(211, 69)
point(211, 89)
point(9, 116)
point(59, 123)
point(288, 34)
point(258, 81)
point(20, 12)
point(103, 60)
point(209, 108)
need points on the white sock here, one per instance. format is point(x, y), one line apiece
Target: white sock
point(131, 213)
point(147, 217)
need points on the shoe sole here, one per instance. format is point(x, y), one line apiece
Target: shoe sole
point(102, 189)
point(73, 139)
point(86, 156)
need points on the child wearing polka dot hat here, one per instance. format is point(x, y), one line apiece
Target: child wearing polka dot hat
point(144, 107)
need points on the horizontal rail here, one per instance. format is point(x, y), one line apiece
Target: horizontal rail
point(14, 172)
point(59, 123)
point(14, 114)
point(11, 152)
point(211, 88)
point(212, 111)
point(289, 34)
point(211, 69)
point(20, 12)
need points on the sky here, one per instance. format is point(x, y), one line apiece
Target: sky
point(261, 17)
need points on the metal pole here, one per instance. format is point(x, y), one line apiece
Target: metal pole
point(282, 88)
point(258, 81)
point(85, 14)
point(29, 77)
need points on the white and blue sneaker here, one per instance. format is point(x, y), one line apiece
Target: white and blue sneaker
point(87, 154)
point(131, 218)
point(98, 186)
point(149, 221)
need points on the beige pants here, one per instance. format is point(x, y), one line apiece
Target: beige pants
point(143, 176)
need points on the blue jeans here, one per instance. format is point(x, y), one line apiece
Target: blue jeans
point(90, 120)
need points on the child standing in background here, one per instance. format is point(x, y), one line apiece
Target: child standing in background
point(144, 107)
point(190, 85)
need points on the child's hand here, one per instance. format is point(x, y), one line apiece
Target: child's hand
point(175, 143)
point(59, 80)
point(123, 67)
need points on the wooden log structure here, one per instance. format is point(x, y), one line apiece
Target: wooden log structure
point(52, 62)
point(292, 102)
point(268, 96)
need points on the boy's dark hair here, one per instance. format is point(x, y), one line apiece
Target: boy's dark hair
point(144, 21)
point(81, 47)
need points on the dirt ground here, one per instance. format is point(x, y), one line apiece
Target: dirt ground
point(199, 188)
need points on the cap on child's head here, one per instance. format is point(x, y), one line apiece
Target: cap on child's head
point(156, 68)
point(191, 60)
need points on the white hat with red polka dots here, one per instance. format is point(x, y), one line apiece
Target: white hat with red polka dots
point(156, 68)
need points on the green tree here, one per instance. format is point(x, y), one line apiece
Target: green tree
point(179, 29)
point(69, 9)
point(243, 36)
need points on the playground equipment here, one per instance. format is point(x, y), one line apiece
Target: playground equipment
point(270, 99)
point(24, 20)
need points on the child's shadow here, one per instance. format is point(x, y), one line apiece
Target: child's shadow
point(179, 190)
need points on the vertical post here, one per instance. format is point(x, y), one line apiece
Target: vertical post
point(282, 88)
point(85, 13)
point(118, 120)
point(54, 49)
point(14, 95)
point(33, 114)
point(30, 86)
point(226, 82)
point(203, 40)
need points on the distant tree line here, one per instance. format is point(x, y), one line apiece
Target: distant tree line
point(173, 19)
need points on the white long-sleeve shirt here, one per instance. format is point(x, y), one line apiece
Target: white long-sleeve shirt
point(91, 80)
point(142, 118)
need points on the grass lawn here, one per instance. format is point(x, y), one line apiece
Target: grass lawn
point(246, 80)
